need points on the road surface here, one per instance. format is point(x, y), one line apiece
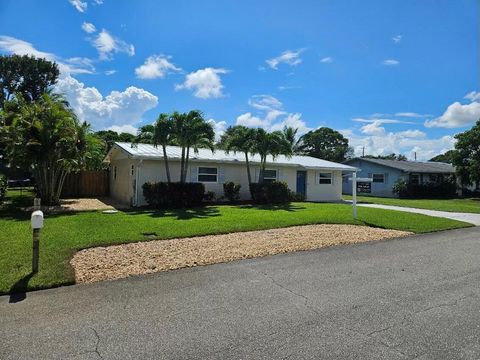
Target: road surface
point(411, 298)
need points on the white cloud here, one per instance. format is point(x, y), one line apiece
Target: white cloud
point(412, 115)
point(98, 2)
point(205, 83)
point(89, 28)
point(457, 114)
point(156, 66)
point(288, 57)
point(391, 62)
point(381, 120)
point(75, 65)
point(326, 60)
point(117, 108)
point(397, 38)
point(80, 5)
point(219, 127)
point(374, 128)
point(106, 45)
point(130, 129)
point(110, 72)
point(412, 134)
point(271, 115)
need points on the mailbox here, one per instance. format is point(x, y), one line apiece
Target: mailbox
point(37, 219)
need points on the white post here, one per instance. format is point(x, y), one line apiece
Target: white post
point(354, 195)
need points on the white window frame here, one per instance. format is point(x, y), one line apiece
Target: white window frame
point(270, 178)
point(207, 167)
point(320, 173)
point(378, 182)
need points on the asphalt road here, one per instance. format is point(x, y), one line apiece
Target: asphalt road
point(412, 298)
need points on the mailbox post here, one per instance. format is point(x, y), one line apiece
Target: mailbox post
point(37, 224)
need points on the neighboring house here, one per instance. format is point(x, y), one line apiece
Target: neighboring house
point(386, 172)
point(131, 167)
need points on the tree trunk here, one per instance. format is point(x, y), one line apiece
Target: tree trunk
point(167, 168)
point(186, 165)
point(248, 169)
point(182, 164)
point(263, 165)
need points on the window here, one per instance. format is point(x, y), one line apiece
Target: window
point(270, 175)
point(325, 178)
point(132, 171)
point(378, 178)
point(207, 174)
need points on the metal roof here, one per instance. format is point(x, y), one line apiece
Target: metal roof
point(412, 166)
point(149, 152)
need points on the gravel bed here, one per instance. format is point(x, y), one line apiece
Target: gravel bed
point(119, 261)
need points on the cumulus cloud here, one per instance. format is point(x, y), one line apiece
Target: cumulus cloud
point(326, 60)
point(130, 129)
point(219, 127)
point(271, 115)
point(118, 108)
point(288, 57)
point(106, 45)
point(390, 62)
point(74, 65)
point(80, 5)
point(205, 83)
point(457, 114)
point(397, 38)
point(156, 66)
point(89, 28)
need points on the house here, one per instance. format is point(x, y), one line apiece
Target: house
point(132, 166)
point(384, 173)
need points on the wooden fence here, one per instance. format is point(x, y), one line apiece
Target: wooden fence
point(86, 184)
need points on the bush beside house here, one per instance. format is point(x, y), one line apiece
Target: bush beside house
point(231, 191)
point(173, 195)
point(3, 186)
point(276, 192)
point(432, 190)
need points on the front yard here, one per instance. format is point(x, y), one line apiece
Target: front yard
point(452, 205)
point(64, 234)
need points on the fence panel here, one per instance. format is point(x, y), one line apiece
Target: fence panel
point(86, 184)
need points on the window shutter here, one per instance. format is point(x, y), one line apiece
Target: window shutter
point(280, 175)
point(221, 175)
point(386, 178)
point(193, 174)
point(333, 177)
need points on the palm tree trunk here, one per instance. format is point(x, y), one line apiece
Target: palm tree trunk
point(248, 169)
point(182, 163)
point(165, 158)
point(186, 165)
point(263, 165)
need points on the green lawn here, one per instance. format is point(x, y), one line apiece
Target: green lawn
point(66, 233)
point(454, 205)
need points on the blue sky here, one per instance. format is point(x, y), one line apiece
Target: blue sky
point(392, 76)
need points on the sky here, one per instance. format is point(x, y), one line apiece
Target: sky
point(391, 75)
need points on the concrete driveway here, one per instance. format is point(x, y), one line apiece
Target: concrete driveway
point(416, 297)
point(466, 217)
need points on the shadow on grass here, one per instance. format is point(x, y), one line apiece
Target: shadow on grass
point(284, 207)
point(18, 292)
point(179, 214)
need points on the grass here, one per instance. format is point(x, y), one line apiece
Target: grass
point(453, 205)
point(66, 233)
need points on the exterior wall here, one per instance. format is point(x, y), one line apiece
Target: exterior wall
point(366, 170)
point(154, 170)
point(324, 192)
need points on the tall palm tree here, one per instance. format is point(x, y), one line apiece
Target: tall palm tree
point(273, 143)
point(198, 134)
point(239, 138)
point(162, 135)
point(290, 134)
point(180, 132)
point(145, 134)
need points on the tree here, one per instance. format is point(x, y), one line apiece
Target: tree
point(46, 137)
point(96, 151)
point(27, 76)
point(392, 156)
point(290, 134)
point(446, 157)
point(466, 157)
point(274, 144)
point(145, 134)
point(239, 138)
point(324, 143)
point(162, 135)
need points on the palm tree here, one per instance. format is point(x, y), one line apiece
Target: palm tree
point(239, 138)
point(198, 134)
point(162, 135)
point(47, 137)
point(290, 135)
point(273, 144)
point(145, 134)
point(179, 131)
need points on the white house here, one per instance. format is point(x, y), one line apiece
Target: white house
point(132, 166)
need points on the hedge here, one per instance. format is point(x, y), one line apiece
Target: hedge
point(3, 186)
point(173, 195)
point(276, 192)
point(441, 190)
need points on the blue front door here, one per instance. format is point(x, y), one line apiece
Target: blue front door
point(301, 182)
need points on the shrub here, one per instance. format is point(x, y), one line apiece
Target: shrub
point(432, 190)
point(3, 186)
point(166, 195)
point(298, 197)
point(231, 191)
point(209, 196)
point(276, 192)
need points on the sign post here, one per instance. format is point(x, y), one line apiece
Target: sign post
point(354, 195)
point(37, 224)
